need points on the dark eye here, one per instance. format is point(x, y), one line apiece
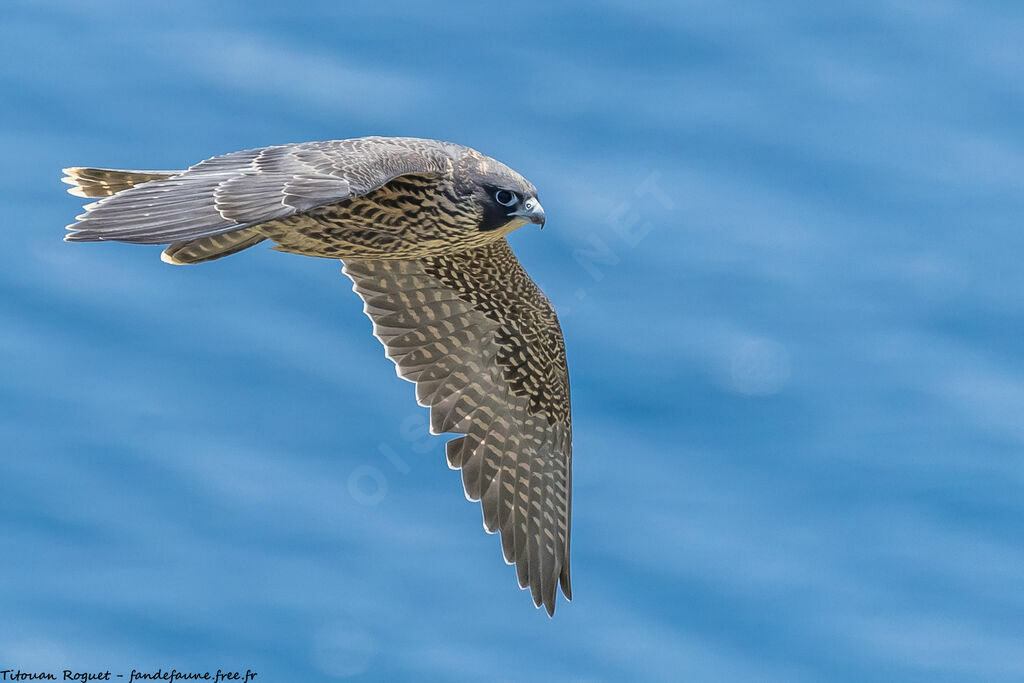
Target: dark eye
point(505, 197)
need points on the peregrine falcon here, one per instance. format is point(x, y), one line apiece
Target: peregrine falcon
point(420, 225)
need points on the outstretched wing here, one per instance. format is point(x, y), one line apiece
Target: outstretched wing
point(483, 345)
point(254, 186)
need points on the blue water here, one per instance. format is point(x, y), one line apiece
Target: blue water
point(785, 241)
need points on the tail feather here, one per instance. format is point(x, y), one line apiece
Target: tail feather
point(104, 182)
point(212, 247)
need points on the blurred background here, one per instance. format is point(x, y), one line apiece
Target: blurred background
point(785, 242)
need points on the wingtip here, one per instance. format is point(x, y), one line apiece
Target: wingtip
point(76, 234)
point(547, 603)
point(566, 584)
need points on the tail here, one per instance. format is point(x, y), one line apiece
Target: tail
point(106, 182)
point(213, 247)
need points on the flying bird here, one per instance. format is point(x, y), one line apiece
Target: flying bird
point(420, 226)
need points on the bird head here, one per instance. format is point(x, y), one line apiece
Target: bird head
point(503, 199)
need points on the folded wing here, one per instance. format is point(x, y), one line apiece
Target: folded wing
point(250, 187)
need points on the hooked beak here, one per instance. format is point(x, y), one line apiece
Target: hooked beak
point(532, 211)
